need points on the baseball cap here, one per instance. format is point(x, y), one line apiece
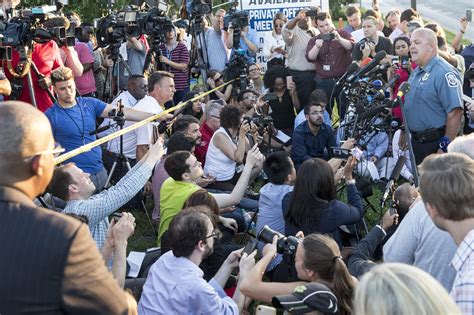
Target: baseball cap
point(307, 298)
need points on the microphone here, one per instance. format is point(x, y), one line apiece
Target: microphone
point(365, 69)
point(403, 89)
point(371, 112)
point(393, 178)
point(378, 69)
point(353, 67)
point(99, 130)
point(380, 94)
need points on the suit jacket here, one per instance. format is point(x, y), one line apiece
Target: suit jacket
point(49, 263)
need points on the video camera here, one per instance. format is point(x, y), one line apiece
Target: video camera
point(200, 8)
point(115, 28)
point(27, 27)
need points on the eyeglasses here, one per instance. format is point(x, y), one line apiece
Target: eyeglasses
point(55, 152)
point(216, 234)
point(253, 69)
point(215, 116)
point(218, 79)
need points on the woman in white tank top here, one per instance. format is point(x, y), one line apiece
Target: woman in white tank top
point(227, 149)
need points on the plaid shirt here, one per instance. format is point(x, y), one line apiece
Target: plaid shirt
point(463, 286)
point(98, 207)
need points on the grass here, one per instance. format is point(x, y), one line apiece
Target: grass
point(144, 236)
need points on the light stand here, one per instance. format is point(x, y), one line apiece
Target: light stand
point(123, 160)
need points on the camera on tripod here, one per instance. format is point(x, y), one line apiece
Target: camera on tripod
point(285, 245)
point(200, 8)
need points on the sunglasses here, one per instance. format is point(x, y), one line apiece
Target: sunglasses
point(279, 25)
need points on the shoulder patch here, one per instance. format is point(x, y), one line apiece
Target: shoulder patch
point(452, 79)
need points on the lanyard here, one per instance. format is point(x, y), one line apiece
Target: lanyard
point(81, 131)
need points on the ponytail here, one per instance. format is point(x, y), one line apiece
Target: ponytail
point(343, 285)
point(322, 255)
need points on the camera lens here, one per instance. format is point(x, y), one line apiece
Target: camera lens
point(266, 234)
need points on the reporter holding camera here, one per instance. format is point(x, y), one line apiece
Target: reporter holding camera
point(317, 259)
point(330, 51)
point(372, 42)
point(227, 150)
point(248, 38)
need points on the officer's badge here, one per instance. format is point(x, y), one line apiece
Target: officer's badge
point(425, 77)
point(452, 79)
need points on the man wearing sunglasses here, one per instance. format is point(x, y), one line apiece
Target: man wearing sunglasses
point(52, 264)
point(175, 283)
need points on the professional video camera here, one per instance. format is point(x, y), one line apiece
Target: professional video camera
point(285, 245)
point(200, 8)
point(237, 69)
point(27, 27)
point(115, 28)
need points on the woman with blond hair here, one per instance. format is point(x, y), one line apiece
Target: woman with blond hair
point(394, 288)
point(274, 46)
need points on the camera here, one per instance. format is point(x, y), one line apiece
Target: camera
point(285, 245)
point(239, 19)
point(328, 37)
point(312, 12)
point(201, 7)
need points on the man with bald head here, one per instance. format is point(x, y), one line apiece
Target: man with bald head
point(433, 105)
point(51, 264)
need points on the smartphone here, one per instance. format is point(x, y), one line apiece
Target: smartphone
point(289, 80)
point(395, 61)
point(327, 37)
point(270, 96)
point(265, 310)
point(469, 15)
point(357, 153)
point(405, 61)
point(250, 246)
point(340, 153)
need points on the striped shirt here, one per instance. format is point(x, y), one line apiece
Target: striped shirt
point(463, 287)
point(217, 51)
point(178, 54)
point(98, 207)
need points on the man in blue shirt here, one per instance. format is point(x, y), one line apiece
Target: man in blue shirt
point(175, 283)
point(312, 138)
point(281, 174)
point(433, 106)
point(74, 118)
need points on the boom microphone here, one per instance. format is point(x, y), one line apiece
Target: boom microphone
point(365, 69)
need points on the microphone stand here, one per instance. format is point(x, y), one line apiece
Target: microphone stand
point(410, 146)
point(123, 160)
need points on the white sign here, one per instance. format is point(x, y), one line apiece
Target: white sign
point(261, 13)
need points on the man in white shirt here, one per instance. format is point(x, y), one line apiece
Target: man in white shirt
point(161, 89)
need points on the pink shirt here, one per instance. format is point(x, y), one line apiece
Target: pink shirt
point(85, 84)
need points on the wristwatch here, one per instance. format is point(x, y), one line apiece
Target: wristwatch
point(351, 181)
point(443, 143)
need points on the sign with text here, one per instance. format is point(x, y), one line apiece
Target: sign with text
point(261, 13)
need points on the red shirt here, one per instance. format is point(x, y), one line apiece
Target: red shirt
point(201, 150)
point(46, 57)
point(333, 59)
point(404, 74)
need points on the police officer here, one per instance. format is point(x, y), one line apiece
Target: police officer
point(433, 106)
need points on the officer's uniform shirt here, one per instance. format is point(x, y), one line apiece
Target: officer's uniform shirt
point(435, 91)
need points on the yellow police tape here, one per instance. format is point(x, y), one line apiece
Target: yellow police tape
point(90, 146)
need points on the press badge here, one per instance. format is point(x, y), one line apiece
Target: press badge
point(326, 67)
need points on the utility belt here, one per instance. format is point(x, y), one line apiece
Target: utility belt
point(429, 135)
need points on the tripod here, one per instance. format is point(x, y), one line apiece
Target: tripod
point(123, 160)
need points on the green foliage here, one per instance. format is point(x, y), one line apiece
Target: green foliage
point(336, 8)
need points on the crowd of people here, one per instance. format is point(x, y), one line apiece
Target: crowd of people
point(258, 156)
